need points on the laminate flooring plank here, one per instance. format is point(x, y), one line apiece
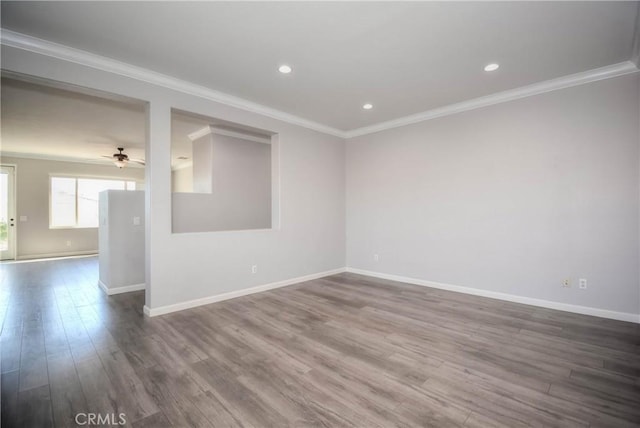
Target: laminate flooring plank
point(101, 396)
point(9, 386)
point(34, 407)
point(344, 350)
point(67, 397)
point(617, 385)
point(180, 371)
point(618, 407)
point(219, 412)
point(132, 341)
point(500, 407)
point(595, 349)
point(293, 403)
point(371, 411)
point(178, 408)
point(244, 401)
point(621, 368)
point(157, 420)
point(476, 420)
point(189, 353)
point(33, 358)
point(127, 384)
point(11, 346)
point(280, 354)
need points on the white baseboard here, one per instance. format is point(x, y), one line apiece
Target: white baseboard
point(58, 255)
point(118, 290)
point(152, 312)
point(585, 310)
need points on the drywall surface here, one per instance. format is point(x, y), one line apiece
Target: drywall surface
point(34, 237)
point(121, 256)
point(238, 175)
point(511, 198)
point(202, 149)
point(182, 180)
point(187, 266)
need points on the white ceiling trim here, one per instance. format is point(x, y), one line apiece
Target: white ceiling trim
point(226, 132)
point(607, 72)
point(45, 47)
point(58, 158)
point(200, 133)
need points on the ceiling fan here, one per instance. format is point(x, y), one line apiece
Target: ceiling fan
point(121, 159)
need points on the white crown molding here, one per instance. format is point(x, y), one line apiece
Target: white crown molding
point(207, 130)
point(199, 133)
point(58, 158)
point(589, 76)
point(45, 47)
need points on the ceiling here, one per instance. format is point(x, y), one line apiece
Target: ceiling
point(48, 122)
point(403, 57)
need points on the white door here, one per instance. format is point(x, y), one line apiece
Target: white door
point(7, 213)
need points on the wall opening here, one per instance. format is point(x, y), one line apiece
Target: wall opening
point(224, 175)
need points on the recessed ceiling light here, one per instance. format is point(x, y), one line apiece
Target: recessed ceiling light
point(367, 106)
point(491, 67)
point(182, 158)
point(284, 69)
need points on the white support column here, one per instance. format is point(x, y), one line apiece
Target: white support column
point(157, 194)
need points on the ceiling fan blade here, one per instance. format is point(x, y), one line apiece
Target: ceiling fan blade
point(141, 162)
point(107, 157)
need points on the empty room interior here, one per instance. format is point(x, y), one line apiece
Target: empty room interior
point(320, 214)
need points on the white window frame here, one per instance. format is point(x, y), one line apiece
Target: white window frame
point(82, 177)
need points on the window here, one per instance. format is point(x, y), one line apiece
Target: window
point(74, 201)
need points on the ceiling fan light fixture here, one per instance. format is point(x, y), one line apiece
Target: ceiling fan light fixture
point(120, 163)
point(492, 67)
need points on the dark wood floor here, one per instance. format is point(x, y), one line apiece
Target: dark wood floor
point(341, 351)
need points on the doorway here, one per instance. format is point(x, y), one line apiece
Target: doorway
point(7, 213)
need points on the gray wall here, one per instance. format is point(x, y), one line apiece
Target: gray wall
point(185, 266)
point(202, 149)
point(121, 258)
point(240, 179)
point(34, 238)
point(182, 179)
point(510, 198)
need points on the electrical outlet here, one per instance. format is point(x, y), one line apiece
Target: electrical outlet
point(583, 283)
point(376, 258)
point(566, 282)
point(136, 221)
point(68, 243)
point(254, 269)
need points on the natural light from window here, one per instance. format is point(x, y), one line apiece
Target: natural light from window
point(74, 201)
